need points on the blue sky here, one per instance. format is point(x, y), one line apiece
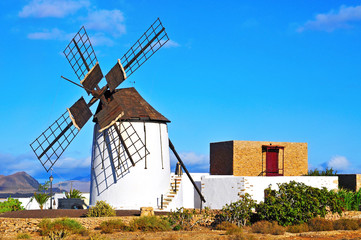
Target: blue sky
point(234, 70)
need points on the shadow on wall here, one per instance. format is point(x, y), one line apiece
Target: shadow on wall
point(110, 158)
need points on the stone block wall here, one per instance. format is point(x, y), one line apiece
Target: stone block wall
point(244, 158)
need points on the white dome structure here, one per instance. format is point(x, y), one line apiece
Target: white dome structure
point(134, 171)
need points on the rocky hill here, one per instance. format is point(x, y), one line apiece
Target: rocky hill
point(82, 186)
point(19, 182)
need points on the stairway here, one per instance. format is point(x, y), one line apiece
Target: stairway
point(175, 182)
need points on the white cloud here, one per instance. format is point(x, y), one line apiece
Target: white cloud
point(73, 163)
point(339, 163)
point(50, 34)
point(333, 20)
point(65, 168)
point(52, 8)
point(24, 162)
point(193, 161)
point(99, 39)
point(171, 44)
point(110, 21)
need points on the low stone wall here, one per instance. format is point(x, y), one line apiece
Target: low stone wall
point(29, 225)
point(221, 190)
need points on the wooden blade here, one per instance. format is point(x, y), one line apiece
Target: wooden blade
point(115, 76)
point(80, 113)
point(51, 144)
point(171, 146)
point(92, 78)
point(130, 146)
point(150, 42)
point(109, 114)
point(80, 54)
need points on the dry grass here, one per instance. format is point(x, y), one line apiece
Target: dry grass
point(320, 224)
point(298, 228)
point(346, 224)
point(266, 227)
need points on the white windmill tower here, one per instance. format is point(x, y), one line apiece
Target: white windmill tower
point(130, 153)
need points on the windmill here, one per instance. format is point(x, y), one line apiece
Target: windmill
point(127, 129)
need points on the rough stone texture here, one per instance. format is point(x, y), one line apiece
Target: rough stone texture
point(146, 211)
point(29, 225)
point(244, 158)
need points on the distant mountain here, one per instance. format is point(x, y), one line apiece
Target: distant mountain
point(82, 178)
point(19, 182)
point(82, 186)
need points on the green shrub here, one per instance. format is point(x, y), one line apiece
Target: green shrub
point(101, 209)
point(111, 225)
point(74, 193)
point(41, 197)
point(351, 200)
point(320, 224)
point(266, 227)
point(345, 224)
point(149, 224)
point(296, 203)
point(298, 228)
point(23, 236)
point(60, 228)
point(326, 172)
point(180, 219)
point(239, 212)
point(10, 205)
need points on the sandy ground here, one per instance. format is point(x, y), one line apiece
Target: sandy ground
point(197, 234)
point(12, 224)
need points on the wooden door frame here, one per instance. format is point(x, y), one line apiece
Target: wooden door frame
point(265, 148)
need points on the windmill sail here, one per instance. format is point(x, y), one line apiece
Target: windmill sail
point(80, 54)
point(150, 42)
point(51, 144)
point(125, 146)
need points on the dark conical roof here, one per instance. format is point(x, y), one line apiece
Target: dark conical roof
point(133, 105)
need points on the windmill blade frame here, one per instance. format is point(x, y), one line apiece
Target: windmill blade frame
point(51, 143)
point(150, 42)
point(80, 54)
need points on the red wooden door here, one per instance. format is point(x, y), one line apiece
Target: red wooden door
point(272, 162)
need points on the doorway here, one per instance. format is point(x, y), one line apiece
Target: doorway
point(272, 154)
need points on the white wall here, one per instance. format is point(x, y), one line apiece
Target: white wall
point(33, 205)
point(221, 190)
point(139, 186)
point(191, 199)
point(255, 185)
